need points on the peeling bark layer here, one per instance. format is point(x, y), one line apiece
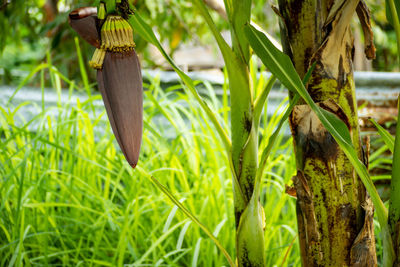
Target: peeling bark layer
point(334, 213)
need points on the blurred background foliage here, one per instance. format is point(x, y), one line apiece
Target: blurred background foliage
point(29, 29)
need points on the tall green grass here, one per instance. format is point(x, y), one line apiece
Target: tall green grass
point(68, 198)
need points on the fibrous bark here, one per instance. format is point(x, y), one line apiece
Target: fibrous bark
point(334, 213)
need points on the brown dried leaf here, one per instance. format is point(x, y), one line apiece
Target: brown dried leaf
point(365, 20)
point(362, 252)
point(290, 190)
point(84, 22)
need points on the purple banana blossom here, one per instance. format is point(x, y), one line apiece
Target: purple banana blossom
point(120, 82)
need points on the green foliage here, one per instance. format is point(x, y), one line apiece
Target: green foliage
point(384, 36)
point(393, 145)
point(175, 22)
point(240, 103)
point(194, 219)
point(68, 196)
point(31, 28)
point(389, 13)
point(13, 16)
point(386, 136)
point(393, 14)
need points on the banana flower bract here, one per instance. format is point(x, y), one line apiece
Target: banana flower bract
point(118, 74)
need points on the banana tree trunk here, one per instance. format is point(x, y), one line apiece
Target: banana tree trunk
point(334, 212)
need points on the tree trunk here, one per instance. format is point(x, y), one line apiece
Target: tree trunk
point(334, 213)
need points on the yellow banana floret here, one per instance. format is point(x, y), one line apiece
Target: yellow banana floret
point(98, 58)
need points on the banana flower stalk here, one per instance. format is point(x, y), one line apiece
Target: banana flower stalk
point(118, 74)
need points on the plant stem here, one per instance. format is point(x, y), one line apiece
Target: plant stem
point(394, 202)
point(396, 25)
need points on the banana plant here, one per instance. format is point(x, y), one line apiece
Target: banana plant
point(109, 29)
point(241, 145)
point(337, 125)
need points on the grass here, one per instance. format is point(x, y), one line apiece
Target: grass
point(68, 198)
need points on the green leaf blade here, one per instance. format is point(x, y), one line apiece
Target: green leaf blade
point(278, 63)
point(282, 67)
point(336, 125)
point(385, 135)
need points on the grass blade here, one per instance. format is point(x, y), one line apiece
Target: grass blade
point(196, 253)
point(386, 136)
point(157, 243)
point(260, 101)
point(192, 217)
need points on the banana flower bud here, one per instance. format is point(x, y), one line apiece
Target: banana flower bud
point(118, 74)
